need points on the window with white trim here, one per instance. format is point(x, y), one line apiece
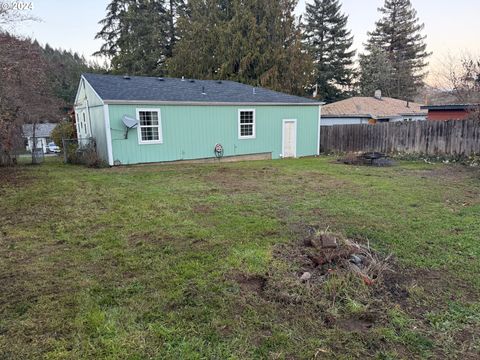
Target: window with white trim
point(149, 126)
point(246, 124)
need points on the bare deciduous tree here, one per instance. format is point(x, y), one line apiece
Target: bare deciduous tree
point(457, 79)
point(460, 76)
point(25, 92)
point(10, 15)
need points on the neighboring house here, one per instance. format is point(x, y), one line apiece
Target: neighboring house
point(370, 110)
point(449, 111)
point(42, 134)
point(180, 119)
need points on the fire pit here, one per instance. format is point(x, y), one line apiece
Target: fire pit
point(373, 156)
point(369, 158)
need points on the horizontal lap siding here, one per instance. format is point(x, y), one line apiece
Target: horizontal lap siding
point(191, 132)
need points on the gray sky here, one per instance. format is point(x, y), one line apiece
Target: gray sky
point(451, 26)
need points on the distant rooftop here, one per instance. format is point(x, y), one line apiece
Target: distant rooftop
point(451, 107)
point(372, 107)
point(114, 88)
point(41, 130)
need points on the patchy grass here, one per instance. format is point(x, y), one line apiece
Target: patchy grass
point(200, 261)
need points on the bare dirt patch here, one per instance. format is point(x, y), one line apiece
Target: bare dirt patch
point(355, 325)
point(250, 283)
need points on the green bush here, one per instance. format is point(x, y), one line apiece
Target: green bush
point(64, 130)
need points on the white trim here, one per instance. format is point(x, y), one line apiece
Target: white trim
point(108, 134)
point(319, 128)
point(240, 137)
point(139, 127)
point(89, 120)
point(94, 91)
point(205, 103)
point(283, 136)
point(78, 89)
point(77, 118)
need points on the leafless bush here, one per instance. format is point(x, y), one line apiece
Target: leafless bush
point(82, 151)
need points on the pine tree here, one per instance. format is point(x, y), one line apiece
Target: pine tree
point(399, 34)
point(137, 35)
point(329, 43)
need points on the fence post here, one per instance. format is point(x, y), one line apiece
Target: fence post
point(64, 151)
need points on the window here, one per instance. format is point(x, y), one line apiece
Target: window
point(150, 129)
point(246, 124)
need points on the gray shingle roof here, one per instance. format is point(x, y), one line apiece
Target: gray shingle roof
point(140, 88)
point(41, 130)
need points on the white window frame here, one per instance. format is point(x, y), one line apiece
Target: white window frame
point(254, 125)
point(159, 126)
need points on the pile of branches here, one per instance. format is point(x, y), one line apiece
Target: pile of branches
point(330, 253)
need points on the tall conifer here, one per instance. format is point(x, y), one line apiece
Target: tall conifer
point(399, 34)
point(329, 43)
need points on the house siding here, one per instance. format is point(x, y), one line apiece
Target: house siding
point(443, 115)
point(98, 131)
point(95, 116)
point(330, 121)
point(191, 132)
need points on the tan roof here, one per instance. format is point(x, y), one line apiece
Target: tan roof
point(371, 107)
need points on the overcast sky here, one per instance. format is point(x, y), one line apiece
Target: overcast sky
point(451, 26)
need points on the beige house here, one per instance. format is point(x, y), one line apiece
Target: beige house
point(364, 110)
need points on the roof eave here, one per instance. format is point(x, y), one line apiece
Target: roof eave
point(460, 107)
point(371, 116)
point(349, 116)
point(207, 103)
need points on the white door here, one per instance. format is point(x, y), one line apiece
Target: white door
point(289, 138)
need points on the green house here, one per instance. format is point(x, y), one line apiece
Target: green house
point(137, 120)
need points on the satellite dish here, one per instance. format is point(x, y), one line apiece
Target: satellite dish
point(130, 123)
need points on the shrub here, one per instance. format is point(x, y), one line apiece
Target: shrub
point(64, 130)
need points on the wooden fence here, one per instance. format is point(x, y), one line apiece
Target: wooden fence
point(420, 137)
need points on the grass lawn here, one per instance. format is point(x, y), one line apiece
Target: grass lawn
point(203, 261)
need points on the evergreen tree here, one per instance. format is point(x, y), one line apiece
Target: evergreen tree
point(201, 29)
point(376, 73)
point(329, 43)
point(65, 69)
point(175, 8)
point(398, 33)
point(137, 36)
point(252, 41)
